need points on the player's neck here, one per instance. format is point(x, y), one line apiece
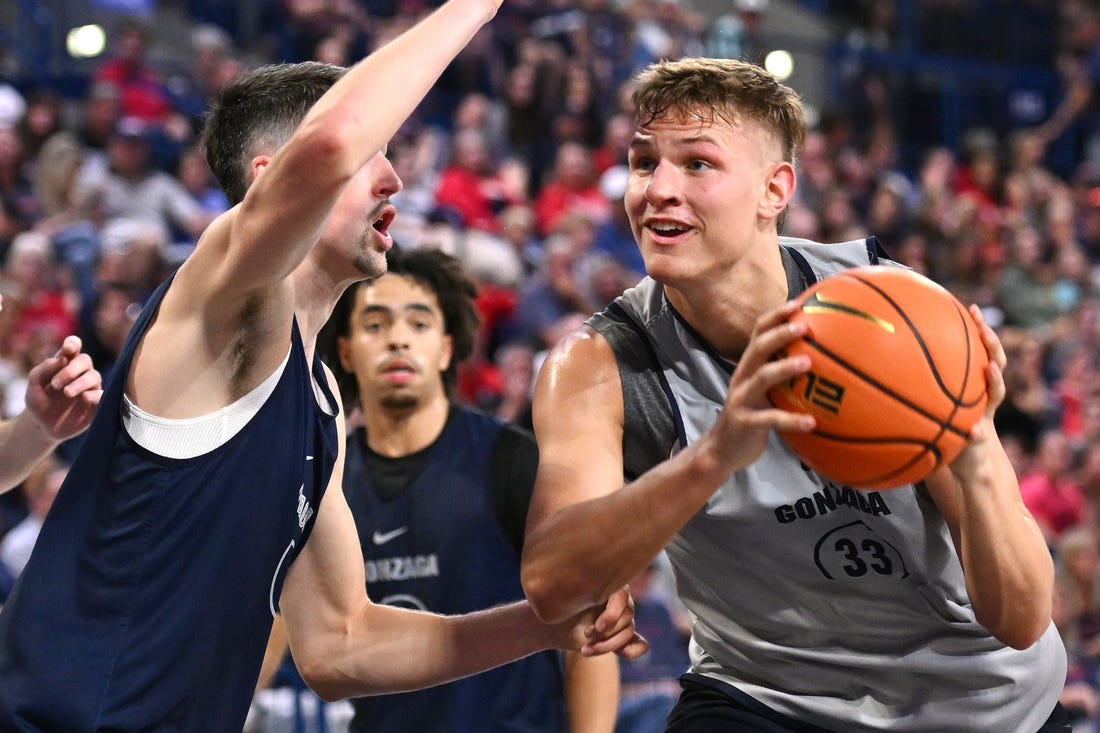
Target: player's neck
point(315, 295)
point(395, 432)
point(724, 310)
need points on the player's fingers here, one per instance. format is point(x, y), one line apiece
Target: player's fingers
point(766, 344)
point(753, 391)
point(91, 398)
point(71, 371)
point(70, 346)
point(635, 648)
point(83, 382)
point(996, 387)
point(775, 418)
point(620, 640)
point(617, 604)
point(775, 316)
point(992, 342)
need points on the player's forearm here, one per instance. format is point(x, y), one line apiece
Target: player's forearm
point(591, 692)
point(392, 649)
point(1008, 567)
point(580, 555)
point(23, 443)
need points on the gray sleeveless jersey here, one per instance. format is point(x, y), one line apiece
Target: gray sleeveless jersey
point(843, 608)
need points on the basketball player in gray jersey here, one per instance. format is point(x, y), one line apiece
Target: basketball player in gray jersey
point(814, 606)
point(207, 492)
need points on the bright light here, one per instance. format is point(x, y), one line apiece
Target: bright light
point(780, 64)
point(86, 41)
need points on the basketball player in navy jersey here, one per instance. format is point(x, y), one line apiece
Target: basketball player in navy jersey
point(62, 393)
point(814, 606)
point(206, 496)
point(439, 493)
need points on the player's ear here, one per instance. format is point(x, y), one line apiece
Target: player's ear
point(342, 352)
point(447, 353)
point(257, 165)
point(779, 188)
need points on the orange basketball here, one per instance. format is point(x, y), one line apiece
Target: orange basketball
point(897, 377)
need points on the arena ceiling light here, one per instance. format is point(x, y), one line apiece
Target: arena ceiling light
point(86, 41)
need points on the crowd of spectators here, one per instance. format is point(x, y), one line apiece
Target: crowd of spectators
point(515, 163)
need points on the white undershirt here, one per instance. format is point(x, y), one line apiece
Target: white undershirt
point(193, 436)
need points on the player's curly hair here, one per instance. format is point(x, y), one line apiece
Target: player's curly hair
point(439, 273)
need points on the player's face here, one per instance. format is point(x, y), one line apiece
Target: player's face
point(694, 194)
point(360, 221)
point(397, 347)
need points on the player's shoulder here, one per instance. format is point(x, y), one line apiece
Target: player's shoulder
point(583, 354)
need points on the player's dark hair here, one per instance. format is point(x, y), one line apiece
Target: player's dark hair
point(434, 270)
point(256, 112)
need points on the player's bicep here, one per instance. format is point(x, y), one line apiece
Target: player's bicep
point(325, 585)
point(578, 420)
point(943, 487)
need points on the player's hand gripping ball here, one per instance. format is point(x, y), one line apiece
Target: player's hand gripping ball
point(896, 382)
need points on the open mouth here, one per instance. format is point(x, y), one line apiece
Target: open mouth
point(384, 219)
point(667, 228)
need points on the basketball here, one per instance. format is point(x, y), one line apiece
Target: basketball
point(896, 382)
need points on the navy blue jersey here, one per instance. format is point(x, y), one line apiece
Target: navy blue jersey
point(437, 545)
point(148, 599)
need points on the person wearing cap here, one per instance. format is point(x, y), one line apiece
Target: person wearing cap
point(128, 186)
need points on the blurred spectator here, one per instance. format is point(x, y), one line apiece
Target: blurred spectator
point(54, 182)
point(44, 310)
point(530, 96)
point(517, 224)
point(888, 215)
point(194, 174)
point(1077, 380)
point(16, 190)
point(739, 34)
point(141, 90)
point(1076, 610)
point(40, 121)
point(614, 237)
point(1030, 406)
point(1050, 490)
point(978, 175)
point(1079, 64)
point(579, 114)
point(38, 490)
point(479, 111)
point(572, 188)
point(133, 252)
point(1026, 288)
point(105, 321)
point(67, 223)
point(516, 364)
point(415, 152)
point(99, 119)
point(474, 186)
point(558, 289)
point(650, 684)
point(212, 63)
point(129, 187)
point(816, 172)
point(1028, 185)
point(615, 144)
